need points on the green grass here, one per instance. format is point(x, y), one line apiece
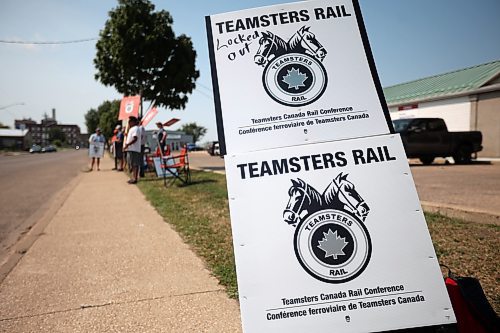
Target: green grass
point(199, 213)
point(468, 249)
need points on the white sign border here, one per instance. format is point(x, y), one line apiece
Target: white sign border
point(369, 58)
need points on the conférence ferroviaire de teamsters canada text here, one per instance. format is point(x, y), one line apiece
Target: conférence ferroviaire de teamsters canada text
point(302, 119)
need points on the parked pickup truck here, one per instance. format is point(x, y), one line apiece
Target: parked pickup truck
point(428, 138)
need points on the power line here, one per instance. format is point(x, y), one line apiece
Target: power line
point(204, 94)
point(47, 42)
point(204, 86)
point(200, 85)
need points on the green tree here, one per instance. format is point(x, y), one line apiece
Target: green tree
point(108, 117)
point(91, 120)
point(57, 143)
point(2, 125)
point(105, 117)
point(193, 129)
point(55, 133)
point(138, 53)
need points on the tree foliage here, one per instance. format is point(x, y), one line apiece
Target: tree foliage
point(138, 53)
point(108, 115)
point(91, 120)
point(56, 133)
point(57, 143)
point(193, 129)
point(105, 117)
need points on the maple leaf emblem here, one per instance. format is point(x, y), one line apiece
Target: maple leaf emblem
point(332, 244)
point(295, 79)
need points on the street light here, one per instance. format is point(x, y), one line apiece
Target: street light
point(8, 106)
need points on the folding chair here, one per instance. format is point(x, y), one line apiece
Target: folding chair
point(177, 166)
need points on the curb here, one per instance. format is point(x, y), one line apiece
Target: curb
point(36, 225)
point(462, 213)
point(210, 170)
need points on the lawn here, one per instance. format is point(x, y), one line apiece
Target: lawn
point(199, 213)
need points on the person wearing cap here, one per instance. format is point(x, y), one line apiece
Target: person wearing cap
point(95, 138)
point(162, 137)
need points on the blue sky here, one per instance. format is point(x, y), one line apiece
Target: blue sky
point(409, 40)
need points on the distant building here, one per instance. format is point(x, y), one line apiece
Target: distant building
point(24, 123)
point(40, 132)
point(178, 139)
point(83, 140)
point(15, 139)
point(467, 99)
point(175, 139)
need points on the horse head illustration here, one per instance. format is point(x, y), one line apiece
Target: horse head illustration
point(304, 200)
point(342, 194)
point(270, 46)
point(304, 41)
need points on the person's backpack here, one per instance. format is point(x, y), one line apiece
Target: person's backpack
point(473, 311)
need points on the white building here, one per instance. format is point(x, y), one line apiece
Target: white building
point(15, 139)
point(467, 99)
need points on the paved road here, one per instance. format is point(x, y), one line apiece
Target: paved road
point(202, 160)
point(28, 182)
point(474, 187)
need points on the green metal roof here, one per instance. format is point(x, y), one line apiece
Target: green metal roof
point(460, 81)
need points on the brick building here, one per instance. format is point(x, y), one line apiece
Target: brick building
point(40, 132)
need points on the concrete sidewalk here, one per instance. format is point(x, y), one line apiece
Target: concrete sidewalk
point(107, 262)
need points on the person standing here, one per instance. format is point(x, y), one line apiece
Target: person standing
point(142, 136)
point(133, 148)
point(95, 140)
point(162, 137)
point(118, 148)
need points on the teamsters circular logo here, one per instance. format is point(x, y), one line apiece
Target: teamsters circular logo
point(332, 246)
point(295, 79)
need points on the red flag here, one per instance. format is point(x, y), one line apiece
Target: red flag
point(171, 122)
point(149, 116)
point(129, 107)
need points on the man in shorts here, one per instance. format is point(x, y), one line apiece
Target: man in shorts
point(96, 139)
point(142, 135)
point(133, 148)
point(118, 148)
